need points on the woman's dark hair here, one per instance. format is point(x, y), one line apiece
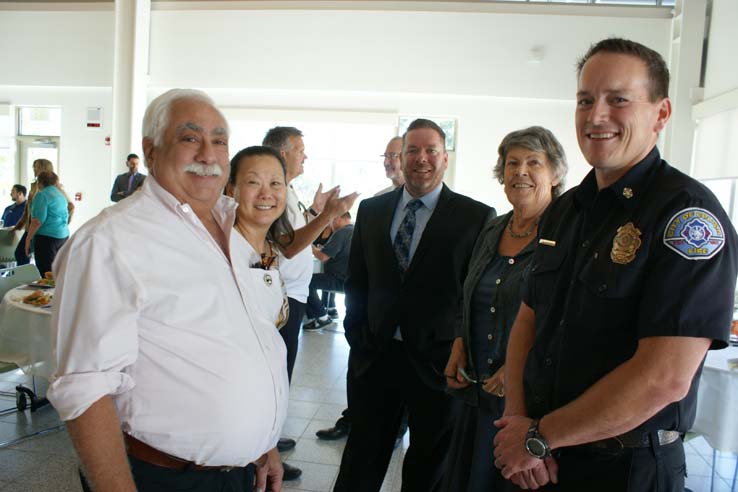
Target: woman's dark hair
point(280, 233)
point(47, 178)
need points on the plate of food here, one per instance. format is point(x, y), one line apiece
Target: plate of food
point(38, 298)
point(48, 282)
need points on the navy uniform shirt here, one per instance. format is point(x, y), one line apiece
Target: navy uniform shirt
point(654, 254)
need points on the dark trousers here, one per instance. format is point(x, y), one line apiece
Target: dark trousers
point(291, 331)
point(653, 469)
point(45, 249)
point(152, 478)
point(345, 419)
point(321, 281)
point(377, 400)
point(21, 258)
point(470, 460)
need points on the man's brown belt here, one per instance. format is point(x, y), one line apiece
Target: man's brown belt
point(142, 451)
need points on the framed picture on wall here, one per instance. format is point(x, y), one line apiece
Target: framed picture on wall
point(447, 124)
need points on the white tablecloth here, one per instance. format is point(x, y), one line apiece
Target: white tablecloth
point(25, 334)
point(717, 401)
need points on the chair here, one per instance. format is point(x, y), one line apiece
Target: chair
point(11, 278)
point(7, 367)
point(9, 240)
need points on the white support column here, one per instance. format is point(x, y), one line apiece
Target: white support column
point(130, 79)
point(687, 37)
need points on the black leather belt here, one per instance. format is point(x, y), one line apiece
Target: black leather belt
point(635, 439)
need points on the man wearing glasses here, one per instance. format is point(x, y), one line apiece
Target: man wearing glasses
point(392, 165)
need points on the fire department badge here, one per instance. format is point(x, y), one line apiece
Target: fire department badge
point(626, 243)
point(695, 234)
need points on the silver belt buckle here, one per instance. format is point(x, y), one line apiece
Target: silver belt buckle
point(226, 469)
point(667, 437)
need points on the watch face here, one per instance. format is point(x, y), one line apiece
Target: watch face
point(535, 447)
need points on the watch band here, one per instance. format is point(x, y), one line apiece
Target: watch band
point(313, 212)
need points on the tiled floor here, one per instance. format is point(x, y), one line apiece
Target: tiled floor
point(46, 462)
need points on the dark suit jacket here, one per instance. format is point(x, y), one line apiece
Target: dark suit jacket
point(121, 185)
point(426, 302)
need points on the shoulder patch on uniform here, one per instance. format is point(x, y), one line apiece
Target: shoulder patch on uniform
point(695, 234)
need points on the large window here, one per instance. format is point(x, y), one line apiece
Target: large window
point(342, 150)
point(44, 121)
point(726, 191)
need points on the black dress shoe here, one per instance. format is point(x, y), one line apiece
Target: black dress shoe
point(285, 444)
point(333, 313)
point(290, 472)
point(333, 433)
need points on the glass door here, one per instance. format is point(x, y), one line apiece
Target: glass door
point(32, 148)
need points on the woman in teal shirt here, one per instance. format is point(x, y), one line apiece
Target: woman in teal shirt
point(49, 217)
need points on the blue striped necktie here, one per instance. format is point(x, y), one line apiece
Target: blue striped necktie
point(404, 235)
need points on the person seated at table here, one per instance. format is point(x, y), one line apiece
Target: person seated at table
point(48, 230)
point(14, 211)
point(531, 166)
point(39, 166)
point(258, 184)
point(324, 236)
point(334, 256)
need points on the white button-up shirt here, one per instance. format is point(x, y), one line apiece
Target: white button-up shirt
point(298, 270)
point(148, 309)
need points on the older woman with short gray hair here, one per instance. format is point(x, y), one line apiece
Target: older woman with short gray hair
point(531, 167)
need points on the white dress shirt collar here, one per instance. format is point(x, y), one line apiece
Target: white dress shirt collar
point(223, 211)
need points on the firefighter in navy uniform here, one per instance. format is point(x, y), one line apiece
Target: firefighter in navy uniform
point(631, 284)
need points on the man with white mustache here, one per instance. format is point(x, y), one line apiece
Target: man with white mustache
point(409, 255)
point(632, 282)
point(169, 377)
point(204, 170)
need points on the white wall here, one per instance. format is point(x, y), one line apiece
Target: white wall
point(413, 52)
point(721, 74)
point(716, 137)
point(84, 159)
point(473, 66)
point(65, 59)
point(56, 48)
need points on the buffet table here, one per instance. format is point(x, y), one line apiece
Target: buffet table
point(25, 340)
point(717, 401)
